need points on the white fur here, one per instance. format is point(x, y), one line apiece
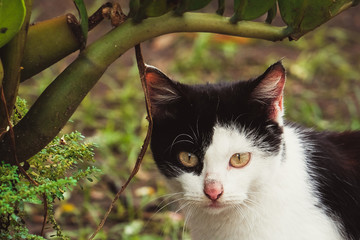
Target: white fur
point(268, 199)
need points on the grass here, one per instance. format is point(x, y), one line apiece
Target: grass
point(322, 92)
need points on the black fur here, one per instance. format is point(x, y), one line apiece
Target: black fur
point(334, 164)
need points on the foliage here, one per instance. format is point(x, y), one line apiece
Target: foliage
point(56, 169)
point(301, 16)
point(12, 14)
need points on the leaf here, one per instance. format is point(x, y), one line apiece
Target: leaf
point(159, 7)
point(80, 5)
point(12, 15)
point(191, 5)
point(304, 15)
point(250, 9)
point(221, 7)
point(141, 9)
point(134, 6)
point(271, 14)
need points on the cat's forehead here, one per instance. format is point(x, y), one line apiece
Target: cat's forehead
point(215, 92)
point(221, 101)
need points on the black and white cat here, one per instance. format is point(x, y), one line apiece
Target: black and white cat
point(241, 172)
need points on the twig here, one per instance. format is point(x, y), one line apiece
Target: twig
point(142, 72)
point(45, 215)
point(98, 16)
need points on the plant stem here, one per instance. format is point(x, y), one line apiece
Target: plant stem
point(1, 74)
point(48, 42)
point(58, 102)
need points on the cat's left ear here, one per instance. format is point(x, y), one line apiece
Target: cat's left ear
point(270, 91)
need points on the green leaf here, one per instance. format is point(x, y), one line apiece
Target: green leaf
point(141, 9)
point(134, 6)
point(271, 14)
point(221, 7)
point(80, 5)
point(159, 7)
point(250, 9)
point(191, 5)
point(12, 15)
point(305, 15)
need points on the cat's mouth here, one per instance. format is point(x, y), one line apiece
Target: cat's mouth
point(216, 206)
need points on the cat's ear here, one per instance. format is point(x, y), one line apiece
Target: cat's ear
point(270, 91)
point(162, 91)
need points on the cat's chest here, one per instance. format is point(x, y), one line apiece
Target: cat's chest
point(275, 223)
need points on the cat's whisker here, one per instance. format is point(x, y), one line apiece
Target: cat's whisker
point(239, 211)
point(188, 214)
point(164, 197)
point(197, 126)
point(195, 136)
point(175, 141)
point(169, 203)
point(168, 196)
point(180, 141)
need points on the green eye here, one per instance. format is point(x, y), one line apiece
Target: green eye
point(188, 159)
point(239, 160)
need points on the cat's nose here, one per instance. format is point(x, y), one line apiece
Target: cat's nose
point(213, 189)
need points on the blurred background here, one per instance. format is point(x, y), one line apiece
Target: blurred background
point(322, 92)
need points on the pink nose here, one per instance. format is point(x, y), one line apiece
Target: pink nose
point(213, 189)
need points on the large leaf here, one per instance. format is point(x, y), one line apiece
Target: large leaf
point(250, 9)
point(306, 15)
point(12, 14)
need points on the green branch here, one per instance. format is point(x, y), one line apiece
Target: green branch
point(58, 102)
point(48, 42)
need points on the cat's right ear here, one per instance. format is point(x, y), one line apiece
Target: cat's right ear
point(163, 92)
point(270, 91)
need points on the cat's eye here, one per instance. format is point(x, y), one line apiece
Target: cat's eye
point(188, 159)
point(239, 160)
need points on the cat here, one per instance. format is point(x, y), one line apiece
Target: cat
point(242, 172)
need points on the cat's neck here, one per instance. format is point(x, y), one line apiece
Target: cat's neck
point(284, 203)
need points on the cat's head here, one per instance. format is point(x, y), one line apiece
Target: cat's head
point(217, 143)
